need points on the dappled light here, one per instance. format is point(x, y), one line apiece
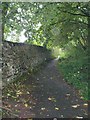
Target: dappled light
point(45, 59)
point(38, 96)
point(19, 98)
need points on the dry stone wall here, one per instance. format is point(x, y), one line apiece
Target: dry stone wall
point(18, 58)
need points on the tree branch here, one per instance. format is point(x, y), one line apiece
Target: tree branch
point(72, 21)
point(74, 13)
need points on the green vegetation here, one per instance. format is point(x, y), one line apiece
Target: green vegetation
point(75, 70)
point(47, 24)
point(62, 27)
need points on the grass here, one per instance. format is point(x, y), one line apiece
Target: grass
point(75, 71)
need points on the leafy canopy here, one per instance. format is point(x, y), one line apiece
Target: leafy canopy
point(47, 24)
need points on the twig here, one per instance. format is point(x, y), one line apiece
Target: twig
point(8, 110)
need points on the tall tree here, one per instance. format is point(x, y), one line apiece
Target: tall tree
point(49, 24)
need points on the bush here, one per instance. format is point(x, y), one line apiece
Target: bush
point(75, 71)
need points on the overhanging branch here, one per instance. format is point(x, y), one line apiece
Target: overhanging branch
point(74, 13)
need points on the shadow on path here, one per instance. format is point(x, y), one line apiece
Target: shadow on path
point(47, 95)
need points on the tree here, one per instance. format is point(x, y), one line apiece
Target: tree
point(49, 24)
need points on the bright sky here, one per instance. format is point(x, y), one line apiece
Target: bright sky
point(22, 38)
point(14, 37)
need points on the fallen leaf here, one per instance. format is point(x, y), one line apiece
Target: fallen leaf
point(78, 117)
point(26, 105)
point(52, 99)
point(42, 108)
point(85, 104)
point(16, 105)
point(28, 92)
point(56, 108)
point(49, 98)
point(68, 95)
point(75, 106)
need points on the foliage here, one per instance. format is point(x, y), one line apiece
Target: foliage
point(75, 70)
point(47, 28)
point(65, 27)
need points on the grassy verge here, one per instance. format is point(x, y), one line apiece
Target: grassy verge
point(75, 72)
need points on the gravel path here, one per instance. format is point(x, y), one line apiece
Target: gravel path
point(49, 96)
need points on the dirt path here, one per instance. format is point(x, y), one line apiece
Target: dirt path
point(47, 95)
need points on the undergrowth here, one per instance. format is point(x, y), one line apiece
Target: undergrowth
point(75, 71)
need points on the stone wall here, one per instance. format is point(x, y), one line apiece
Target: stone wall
point(18, 58)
